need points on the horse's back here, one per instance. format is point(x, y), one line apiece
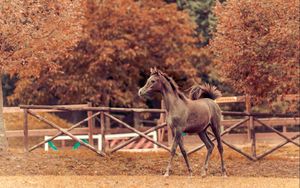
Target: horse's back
point(201, 112)
point(205, 105)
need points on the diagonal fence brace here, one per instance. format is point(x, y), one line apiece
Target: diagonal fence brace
point(276, 147)
point(60, 133)
point(277, 132)
point(223, 133)
point(234, 148)
point(136, 131)
point(66, 132)
point(137, 137)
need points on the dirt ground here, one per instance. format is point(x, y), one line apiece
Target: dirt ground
point(83, 168)
point(284, 163)
point(145, 181)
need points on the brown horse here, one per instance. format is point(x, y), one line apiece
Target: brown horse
point(191, 115)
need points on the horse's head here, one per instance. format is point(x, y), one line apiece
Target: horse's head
point(153, 83)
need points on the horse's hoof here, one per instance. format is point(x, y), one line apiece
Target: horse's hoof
point(203, 174)
point(166, 174)
point(224, 174)
point(191, 175)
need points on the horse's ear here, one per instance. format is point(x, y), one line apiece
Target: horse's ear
point(161, 73)
point(153, 70)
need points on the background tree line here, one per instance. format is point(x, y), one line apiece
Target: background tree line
point(101, 51)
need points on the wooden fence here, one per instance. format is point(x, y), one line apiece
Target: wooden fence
point(104, 115)
point(94, 113)
point(251, 118)
point(101, 113)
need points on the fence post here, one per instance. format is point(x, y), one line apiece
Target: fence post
point(284, 129)
point(222, 126)
point(63, 143)
point(103, 130)
point(91, 124)
point(253, 139)
point(248, 110)
point(136, 120)
point(26, 146)
point(107, 121)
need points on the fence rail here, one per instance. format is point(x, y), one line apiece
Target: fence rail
point(101, 113)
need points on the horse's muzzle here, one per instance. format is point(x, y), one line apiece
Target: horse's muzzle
point(141, 93)
point(145, 93)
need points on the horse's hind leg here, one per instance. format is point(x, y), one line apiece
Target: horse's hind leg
point(184, 154)
point(215, 128)
point(210, 146)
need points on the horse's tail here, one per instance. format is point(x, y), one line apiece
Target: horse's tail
point(204, 91)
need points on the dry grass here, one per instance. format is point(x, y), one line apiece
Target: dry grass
point(14, 121)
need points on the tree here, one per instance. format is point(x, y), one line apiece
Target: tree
point(3, 139)
point(201, 13)
point(257, 47)
point(122, 39)
point(31, 34)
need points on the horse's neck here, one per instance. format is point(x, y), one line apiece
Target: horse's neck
point(170, 97)
point(171, 100)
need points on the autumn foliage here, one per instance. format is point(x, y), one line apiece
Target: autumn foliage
point(33, 33)
point(101, 51)
point(257, 46)
point(121, 40)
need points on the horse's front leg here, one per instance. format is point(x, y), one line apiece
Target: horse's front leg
point(173, 151)
point(185, 156)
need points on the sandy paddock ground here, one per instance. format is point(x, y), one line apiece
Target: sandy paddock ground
point(146, 181)
point(83, 168)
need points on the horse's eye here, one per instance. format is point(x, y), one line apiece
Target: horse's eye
point(153, 81)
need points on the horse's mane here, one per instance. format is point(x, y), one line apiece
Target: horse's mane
point(204, 91)
point(171, 82)
point(196, 91)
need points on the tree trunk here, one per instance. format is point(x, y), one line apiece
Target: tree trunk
point(3, 139)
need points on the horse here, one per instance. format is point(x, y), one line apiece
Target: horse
point(193, 114)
